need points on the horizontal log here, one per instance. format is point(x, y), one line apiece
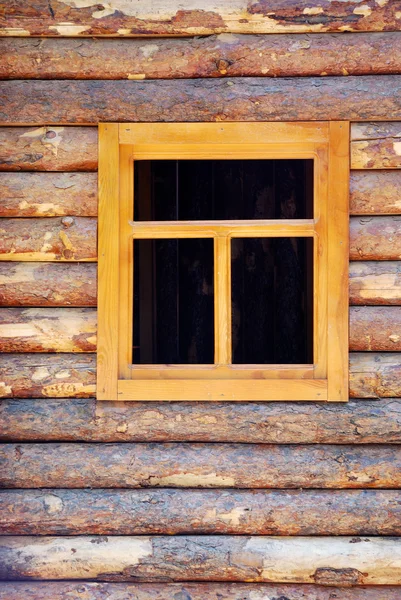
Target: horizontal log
point(375, 192)
point(47, 375)
point(55, 238)
point(48, 148)
point(324, 560)
point(375, 328)
point(375, 238)
point(361, 98)
point(212, 56)
point(376, 145)
point(48, 194)
point(199, 465)
point(374, 375)
point(148, 512)
point(47, 330)
point(47, 284)
point(375, 283)
point(200, 18)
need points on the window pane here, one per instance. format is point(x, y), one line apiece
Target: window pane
point(173, 301)
point(223, 189)
point(272, 300)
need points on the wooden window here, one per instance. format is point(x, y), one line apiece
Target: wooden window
point(223, 261)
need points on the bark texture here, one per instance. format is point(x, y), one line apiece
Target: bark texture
point(375, 238)
point(375, 283)
point(375, 192)
point(375, 328)
point(361, 98)
point(374, 375)
point(47, 148)
point(145, 512)
point(48, 194)
point(376, 145)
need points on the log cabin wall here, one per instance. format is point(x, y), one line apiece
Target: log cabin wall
point(191, 501)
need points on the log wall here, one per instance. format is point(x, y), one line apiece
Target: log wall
point(136, 493)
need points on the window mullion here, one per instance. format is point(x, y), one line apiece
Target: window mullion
point(222, 299)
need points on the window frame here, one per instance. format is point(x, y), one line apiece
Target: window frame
point(327, 143)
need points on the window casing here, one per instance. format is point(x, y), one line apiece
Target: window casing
point(327, 144)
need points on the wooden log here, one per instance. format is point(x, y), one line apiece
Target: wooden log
point(47, 284)
point(199, 465)
point(47, 330)
point(48, 194)
point(374, 375)
point(325, 560)
point(149, 512)
point(47, 375)
point(376, 145)
point(375, 283)
point(375, 328)
point(170, 18)
point(55, 238)
point(375, 238)
point(212, 56)
point(361, 422)
point(361, 98)
point(48, 148)
point(375, 192)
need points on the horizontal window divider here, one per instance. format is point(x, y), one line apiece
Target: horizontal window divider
point(226, 371)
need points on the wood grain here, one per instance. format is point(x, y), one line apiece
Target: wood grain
point(375, 328)
point(376, 145)
point(375, 375)
point(375, 192)
point(375, 238)
point(375, 283)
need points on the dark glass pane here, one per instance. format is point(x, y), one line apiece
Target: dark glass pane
point(223, 189)
point(173, 302)
point(272, 300)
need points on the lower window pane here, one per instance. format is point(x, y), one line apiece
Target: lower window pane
point(272, 300)
point(173, 301)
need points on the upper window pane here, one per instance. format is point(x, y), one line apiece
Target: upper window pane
point(174, 190)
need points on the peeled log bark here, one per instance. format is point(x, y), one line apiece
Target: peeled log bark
point(199, 465)
point(376, 146)
point(47, 284)
point(375, 328)
point(212, 56)
point(375, 283)
point(56, 238)
point(146, 512)
point(359, 98)
point(325, 560)
point(48, 194)
point(48, 148)
point(47, 330)
point(374, 375)
point(375, 238)
point(375, 192)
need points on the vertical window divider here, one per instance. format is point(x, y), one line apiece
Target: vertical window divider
point(222, 299)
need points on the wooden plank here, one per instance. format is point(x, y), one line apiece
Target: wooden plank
point(375, 238)
point(211, 16)
point(217, 56)
point(324, 560)
point(48, 148)
point(47, 284)
point(361, 98)
point(376, 145)
point(374, 375)
point(375, 328)
point(48, 194)
point(357, 422)
point(47, 330)
point(239, 512)
point(375, 283)
point(56, 238)
point(83, 465)
point(375, 192)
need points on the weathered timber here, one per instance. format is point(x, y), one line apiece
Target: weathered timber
point(47, 148)
point(47, 330)
point(375, 192)
point(376, 145)
point(54, 238)
point(375, 328)
point(199, 465)
point(324, 560)
point(359, 98)
point(47, 284)
point(212, 56)
point(374, 375)
point(375, 238)
point(48, 194)
point(375, 283)
point(145, 512)
point(64, 590)
point(199, 18)
point(361, 422)
point(47, 375)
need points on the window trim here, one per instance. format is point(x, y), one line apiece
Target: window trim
point(328, 144)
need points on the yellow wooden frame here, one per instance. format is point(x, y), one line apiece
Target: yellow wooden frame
point(327, 143)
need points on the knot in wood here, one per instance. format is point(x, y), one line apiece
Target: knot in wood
point(50, 135)
point(67, 221)
point(222, 66)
